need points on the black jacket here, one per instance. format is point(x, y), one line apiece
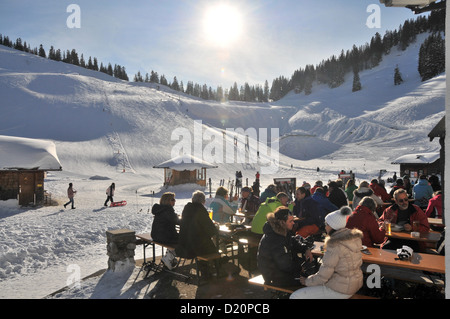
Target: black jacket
point(164, 221)
point(277, 262)
point(337, 197)
point(196, 230)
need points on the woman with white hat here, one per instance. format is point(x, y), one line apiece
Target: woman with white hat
point(340, 275)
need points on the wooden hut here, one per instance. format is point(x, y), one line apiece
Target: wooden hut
point(23, 164)
point(414, 165)
point(185, 169)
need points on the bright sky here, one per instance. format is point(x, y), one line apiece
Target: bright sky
point(213, 42)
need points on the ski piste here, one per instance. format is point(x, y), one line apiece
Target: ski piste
point(121, 203)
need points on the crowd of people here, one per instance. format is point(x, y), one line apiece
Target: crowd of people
point(345, 216)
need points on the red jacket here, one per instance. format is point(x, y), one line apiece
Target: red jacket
point(435, 202)
point(380, 192)
point(364, 220)
point(391, 213)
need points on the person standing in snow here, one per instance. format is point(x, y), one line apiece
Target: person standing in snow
point(110, 193)
point(70, 193)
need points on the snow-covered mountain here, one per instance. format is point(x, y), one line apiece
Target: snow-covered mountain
point(93, 117)
point(103, 126)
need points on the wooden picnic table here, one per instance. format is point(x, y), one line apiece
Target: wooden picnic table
point(388, 257)
point(241, 216)
point(429, 237)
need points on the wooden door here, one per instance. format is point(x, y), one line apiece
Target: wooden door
point(26, 188)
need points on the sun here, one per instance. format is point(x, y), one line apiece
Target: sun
point(222, 24)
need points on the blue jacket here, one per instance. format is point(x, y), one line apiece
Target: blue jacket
point(422, 190)
point(325, 204)
point(310, 211)
point(223, 210)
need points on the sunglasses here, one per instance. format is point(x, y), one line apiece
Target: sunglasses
point(402, 200)
point(173, 199)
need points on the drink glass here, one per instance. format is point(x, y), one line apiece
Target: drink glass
point(210, 213)
point(415, 226)
point(387, 226)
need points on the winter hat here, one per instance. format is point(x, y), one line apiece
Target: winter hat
point(338, 219)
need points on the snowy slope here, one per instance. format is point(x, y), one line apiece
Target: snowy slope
point(103, 126)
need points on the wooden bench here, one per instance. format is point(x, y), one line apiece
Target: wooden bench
point(285, 291)
point(149, 266)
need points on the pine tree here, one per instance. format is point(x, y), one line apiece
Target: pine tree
point(397, 76)
point(41, 51)
point(74, 56)
point(51, 53)
point(154, 77)
point(356, 81)
point(175, 84)
point(109, 69)
point(95, 66)
point(83, 63)
point(432, 57)
point(58, 55)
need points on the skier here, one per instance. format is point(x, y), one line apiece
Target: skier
point(70, 193)
point(110, 193)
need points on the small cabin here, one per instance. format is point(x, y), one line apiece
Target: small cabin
point(414, 165)
point(23, 165)
point(185, 169)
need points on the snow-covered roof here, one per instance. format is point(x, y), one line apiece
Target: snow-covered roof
point(423, 158)
point(26, 153)
point(185, 162)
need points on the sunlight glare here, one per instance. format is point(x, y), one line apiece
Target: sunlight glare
point(223, 24)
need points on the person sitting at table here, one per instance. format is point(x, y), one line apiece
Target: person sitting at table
point(363, 218)
point(434, 208)
point(398, 185)
point(267, 207)
point(196, 229)
point(350, 188)
point(340, 275)
point(223, 210)
point(337, 195)
point(163, 226)
point(407, 185)
point(317, 184)
point(277, 259)
point(403, 214)
point(309, 213)
point(362, 191)
point(379, 191)
point(326, 206)
point(249, 203)
point(422, 192)
point(270, 191)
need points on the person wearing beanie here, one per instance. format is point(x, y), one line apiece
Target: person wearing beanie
point(340, 275)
